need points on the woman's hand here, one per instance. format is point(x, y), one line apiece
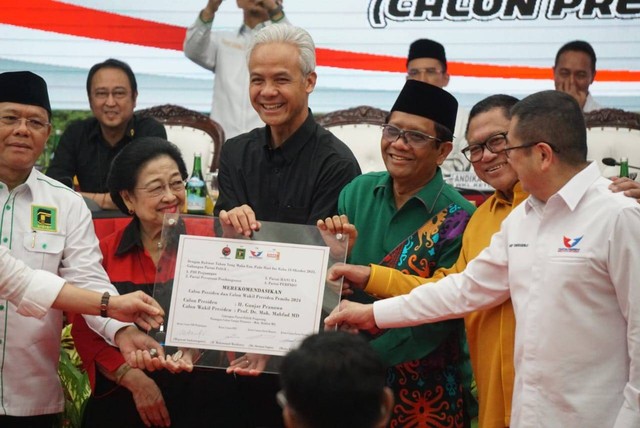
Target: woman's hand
point(248, 365)
point(148, 398)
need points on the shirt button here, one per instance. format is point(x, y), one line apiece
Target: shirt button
point(1, 307)
point(8, 207)
point(1, 186)
point(5, 239)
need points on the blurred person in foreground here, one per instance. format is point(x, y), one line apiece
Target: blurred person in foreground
point(570, 275)
point(334, 380)
point(47, 226)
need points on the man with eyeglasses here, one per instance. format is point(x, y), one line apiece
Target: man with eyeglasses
point(569, 260)
point(88, 146)
point(47, 227)
point(427, 62)
point(409, 219)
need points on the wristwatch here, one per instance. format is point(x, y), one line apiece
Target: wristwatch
point(104, 304)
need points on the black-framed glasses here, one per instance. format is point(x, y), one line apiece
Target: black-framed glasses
point(496, 143)
point(157, 190)
point(414, 138)
point(32, 124)
point(506, 150)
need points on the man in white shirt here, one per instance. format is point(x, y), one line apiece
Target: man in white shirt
point(574, 71)
point(568, 258)
point(35, 291)
point(225, 54)
point(47, 226)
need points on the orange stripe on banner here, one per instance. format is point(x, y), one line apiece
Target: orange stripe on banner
point(50, 15)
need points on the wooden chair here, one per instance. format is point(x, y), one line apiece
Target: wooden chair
point(359, 129)
point(192, 132)
point(613, 133)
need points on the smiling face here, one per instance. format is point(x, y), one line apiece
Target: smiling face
point(279, 91)
point(111, 99)
point(20, 146)
point(493, 168)
point(409, 166)
point(573, 69)
point(158, 172)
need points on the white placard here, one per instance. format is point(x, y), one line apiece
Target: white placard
point(467, 180)
point(245, 296)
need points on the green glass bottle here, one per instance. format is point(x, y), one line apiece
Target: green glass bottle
point(196, 188)
point(624, 167)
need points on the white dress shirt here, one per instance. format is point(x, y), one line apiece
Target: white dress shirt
point(571, 267)
point(32, 291)
point(225, 54)
point(47, 226)
point(591, 104)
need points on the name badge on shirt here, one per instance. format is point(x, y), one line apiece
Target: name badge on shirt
point(44, 218)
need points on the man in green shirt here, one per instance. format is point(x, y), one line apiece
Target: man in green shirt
point(411, 220)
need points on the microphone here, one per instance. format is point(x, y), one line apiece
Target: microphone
point(613, 162)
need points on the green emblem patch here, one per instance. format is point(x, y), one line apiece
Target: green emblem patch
point(44, 218)
point(240, 253)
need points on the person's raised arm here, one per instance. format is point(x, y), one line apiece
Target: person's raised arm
point(209, 12)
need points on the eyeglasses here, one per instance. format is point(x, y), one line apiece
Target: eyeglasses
point(495, 144)
point(506, 150)
point(32, 124)
point(414, 138)
point(158, 190)
point(430, 72)
point(118, 94)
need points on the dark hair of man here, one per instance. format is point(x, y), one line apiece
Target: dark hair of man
point(334, 380)
point(126, 166)
point(501, 101)
point(578, 46)
point(556, 118)
point(113, 63)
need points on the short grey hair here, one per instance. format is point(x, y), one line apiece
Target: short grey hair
point(285, 33)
